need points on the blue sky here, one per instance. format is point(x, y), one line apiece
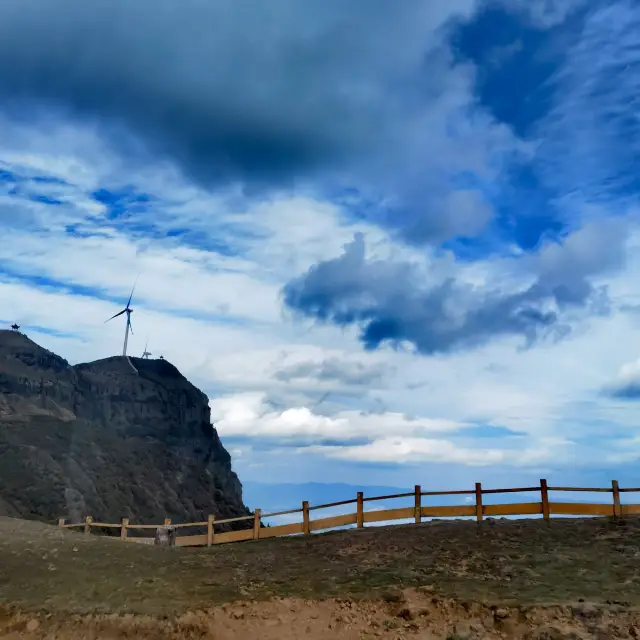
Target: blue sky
point(393, 244)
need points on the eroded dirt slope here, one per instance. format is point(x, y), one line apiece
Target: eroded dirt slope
point(410, 614)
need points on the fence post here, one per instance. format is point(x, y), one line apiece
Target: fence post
point(87, 525)
point(123, 527)
point(256, 523)
point(360, 510)
point(210, 521)
point(617, 510)
point(478, 501)
point(61, 522)
point(306, 526)
point(418, 504)
point(544, 492)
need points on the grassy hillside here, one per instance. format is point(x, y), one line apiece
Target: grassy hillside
point(506, 561)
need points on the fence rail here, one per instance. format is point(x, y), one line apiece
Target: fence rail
point(477, 509)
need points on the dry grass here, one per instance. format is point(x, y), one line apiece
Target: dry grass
point(507, 562)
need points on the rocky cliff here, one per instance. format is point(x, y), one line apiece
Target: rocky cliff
point(121, 437)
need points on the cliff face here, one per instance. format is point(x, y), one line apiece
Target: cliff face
point(113, 438)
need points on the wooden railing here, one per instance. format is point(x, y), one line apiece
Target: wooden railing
point(417, 512)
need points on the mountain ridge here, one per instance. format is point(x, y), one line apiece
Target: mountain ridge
point(104, 439)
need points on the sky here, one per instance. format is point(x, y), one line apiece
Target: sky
point(394, 243)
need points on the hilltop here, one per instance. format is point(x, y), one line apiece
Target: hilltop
point(119, 437)
point(519, 579)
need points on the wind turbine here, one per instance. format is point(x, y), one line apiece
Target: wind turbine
point(128, 310)
point(146, 353)
point(15, 327)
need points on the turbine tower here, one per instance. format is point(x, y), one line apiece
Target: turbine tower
point(128, 310)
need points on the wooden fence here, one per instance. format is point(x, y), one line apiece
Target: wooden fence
point(477, 509)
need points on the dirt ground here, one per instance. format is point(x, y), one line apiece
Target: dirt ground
point(571, 579)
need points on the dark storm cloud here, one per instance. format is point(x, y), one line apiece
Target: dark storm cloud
point(271, 93)
point(233, 88)
point(629, 390)
point(390, 302)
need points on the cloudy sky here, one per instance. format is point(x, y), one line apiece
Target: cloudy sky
point(394, 242)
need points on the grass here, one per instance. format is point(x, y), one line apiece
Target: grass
point(507, 562)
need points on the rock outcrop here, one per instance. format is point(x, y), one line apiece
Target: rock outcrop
point(121, 437)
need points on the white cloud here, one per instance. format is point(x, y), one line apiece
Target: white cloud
point(629, 372)
point(80, 320)
point(250, 415)
point(395, 449)
point(590, 138)
point(172, 277)
point(544, 13)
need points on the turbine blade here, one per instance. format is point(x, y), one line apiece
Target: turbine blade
point(129, 324)
point(132, 290)
point(117, 314)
